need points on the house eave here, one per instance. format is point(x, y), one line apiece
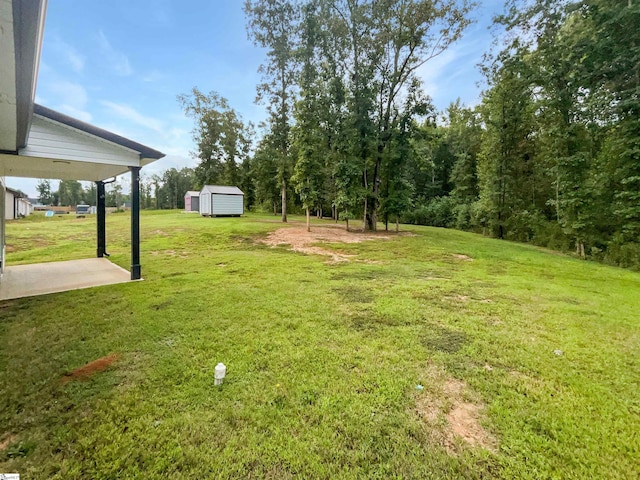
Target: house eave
point(28, 21)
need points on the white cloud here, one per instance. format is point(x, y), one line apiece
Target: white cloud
point(129, 113)
point(118, 61)
point(71, 93)
point(71, 98)
point(71, 56)
point(170, 161)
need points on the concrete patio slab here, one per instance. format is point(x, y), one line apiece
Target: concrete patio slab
point(42, 278)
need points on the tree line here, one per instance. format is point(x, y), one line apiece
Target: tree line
point(550, 155)
point(157, 191)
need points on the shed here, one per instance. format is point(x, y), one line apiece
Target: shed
point(219, 200)
point(16, 204)
point(192, 201)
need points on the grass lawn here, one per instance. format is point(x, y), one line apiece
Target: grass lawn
point(529, 360)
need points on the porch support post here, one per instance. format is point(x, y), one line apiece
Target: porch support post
point(101, 217)
point(135, 223)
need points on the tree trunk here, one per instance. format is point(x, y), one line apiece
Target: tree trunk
point(580, 249)
point(347, 224)
point(558, 194)
point(308, 220)
point(365, 218)
point(366, 195)
point(397, 224)
point(284, 200)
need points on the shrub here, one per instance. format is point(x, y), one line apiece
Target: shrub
point(438, 212)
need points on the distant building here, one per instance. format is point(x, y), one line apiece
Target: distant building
point(16, 204)
point(192, 201)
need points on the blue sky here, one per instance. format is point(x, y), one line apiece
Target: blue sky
point(120, 65)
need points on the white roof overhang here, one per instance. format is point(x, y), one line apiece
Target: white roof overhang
point(21, 30)
point(66, 148)
point(38, 142)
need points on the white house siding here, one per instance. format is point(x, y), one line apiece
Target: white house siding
point(8, 205)
point(227, 204)
point(24, 207)
point(48, 139)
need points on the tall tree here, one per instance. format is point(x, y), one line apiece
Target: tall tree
point(507, 147)
point(388, 41)
point(69, 192)
point(45, 195)
point(272, 24)
point(222, 138)
point(309, 139)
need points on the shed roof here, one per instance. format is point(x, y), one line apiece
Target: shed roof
point(222, 190)
point(192, 193)
point(16, 193)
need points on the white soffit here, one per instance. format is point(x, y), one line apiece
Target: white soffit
point(8, 118)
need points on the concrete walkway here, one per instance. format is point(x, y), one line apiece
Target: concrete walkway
point(42, 278)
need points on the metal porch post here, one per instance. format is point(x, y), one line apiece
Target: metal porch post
point(101, 217)
point(135, 223)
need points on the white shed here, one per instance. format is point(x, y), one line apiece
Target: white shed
point(191, 201)
point(218, 200)
point(16, 204)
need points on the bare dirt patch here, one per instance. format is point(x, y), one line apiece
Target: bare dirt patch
point(91, 368)
point(457, 298)
point(6, 441)
point(460, 256)
point(451, 418)
point(302, 241)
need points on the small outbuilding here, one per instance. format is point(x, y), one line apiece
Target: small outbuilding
point(16, 204)
point(192, 201)
point(218, 200)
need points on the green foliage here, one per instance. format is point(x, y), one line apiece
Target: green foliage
point(70, 192)
point(273, 25)
point(222, 138)
point(171, 187)
point(439, 212)
point(45, 195)
point(550, 156)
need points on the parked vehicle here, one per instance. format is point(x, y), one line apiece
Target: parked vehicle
point(82, 210)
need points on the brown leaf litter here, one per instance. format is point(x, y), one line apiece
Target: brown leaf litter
point(450, 416)
point(302, 241)
point(91, 368)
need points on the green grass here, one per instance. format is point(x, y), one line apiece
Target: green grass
point(322, 359)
